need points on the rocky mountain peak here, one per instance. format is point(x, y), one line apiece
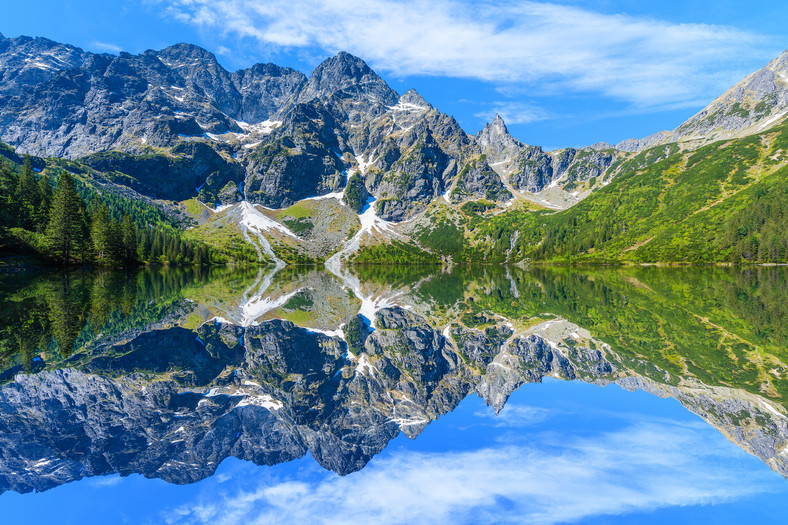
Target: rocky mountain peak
point(41, 55)
point(780, 64)
point(496, 141)
point(350, 76)
point(185, 54)
point(412, 96)
point(757, 103)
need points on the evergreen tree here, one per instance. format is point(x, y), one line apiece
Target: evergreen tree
point(27, 197)
point(67, 229)
point(45, 194)
point(101, 233)
point(8, 202)
point(128, 236)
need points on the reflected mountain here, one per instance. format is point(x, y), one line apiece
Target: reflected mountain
point(167, 373)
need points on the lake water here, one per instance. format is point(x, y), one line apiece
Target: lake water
point(394, 395)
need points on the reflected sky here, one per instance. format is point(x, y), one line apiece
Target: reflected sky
point(558, 452)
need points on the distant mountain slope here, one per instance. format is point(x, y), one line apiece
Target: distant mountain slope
point(724, 202)
point(755, 104)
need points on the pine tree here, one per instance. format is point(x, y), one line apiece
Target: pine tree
point(27, 197)
point(8, 202)
point(101, 232)
point(45, 193)
point(128, 236)
point(67, 229)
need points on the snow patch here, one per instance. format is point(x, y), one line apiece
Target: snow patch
point(363, 165)
point(405, 422)
point(364, 366)
point(253, 309)
point(370, 223)
point(252, 218)
point(408, 106)
point(262, 400)
point(330, 333)
point(264, 128)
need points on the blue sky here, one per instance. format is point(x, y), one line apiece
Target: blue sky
point(558, 452)
point(562, 73)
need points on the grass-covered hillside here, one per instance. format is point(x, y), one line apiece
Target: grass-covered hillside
point(725, 202)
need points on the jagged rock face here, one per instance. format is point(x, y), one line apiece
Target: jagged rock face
point(537, 169)
point(347, 82)
point(175, 176)
point(418, 176)
point(496, 142)
point(477, 180)
point(531, 169)
point(296, 161)
point(61, 101)
point(201, 72)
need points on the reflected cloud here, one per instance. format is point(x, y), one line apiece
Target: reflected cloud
point(515, 416)
point(640, 468)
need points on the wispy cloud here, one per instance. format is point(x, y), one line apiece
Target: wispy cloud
point(513, 415)
point(514, 113)
point(641, 60)
point(107, 481)
point(642, 467)
point(106, 46)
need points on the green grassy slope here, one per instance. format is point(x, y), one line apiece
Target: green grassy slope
point(725, 202)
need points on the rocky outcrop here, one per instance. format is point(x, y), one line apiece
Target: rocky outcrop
point(298, 160)
point(531, 169)
point(477, 180)
point(177, 176)
point(418, 176)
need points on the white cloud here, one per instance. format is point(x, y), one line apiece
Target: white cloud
point(513, 415)
point(639, 468)
point(640, 60)
point(107, 481)
point(514, 113)
point(105, 46)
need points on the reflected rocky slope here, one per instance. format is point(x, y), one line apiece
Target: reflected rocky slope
point(168, 373)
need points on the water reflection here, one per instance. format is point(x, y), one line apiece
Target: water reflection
point(167, 373)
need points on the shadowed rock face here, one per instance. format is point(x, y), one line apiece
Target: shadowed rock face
point(61, 101)
point(270, 130)
point(273, 136)
point(172, 402)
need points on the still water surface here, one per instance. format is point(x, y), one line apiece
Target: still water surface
point(545, 395)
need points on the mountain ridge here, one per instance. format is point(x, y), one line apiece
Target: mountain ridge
point(168, 124)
